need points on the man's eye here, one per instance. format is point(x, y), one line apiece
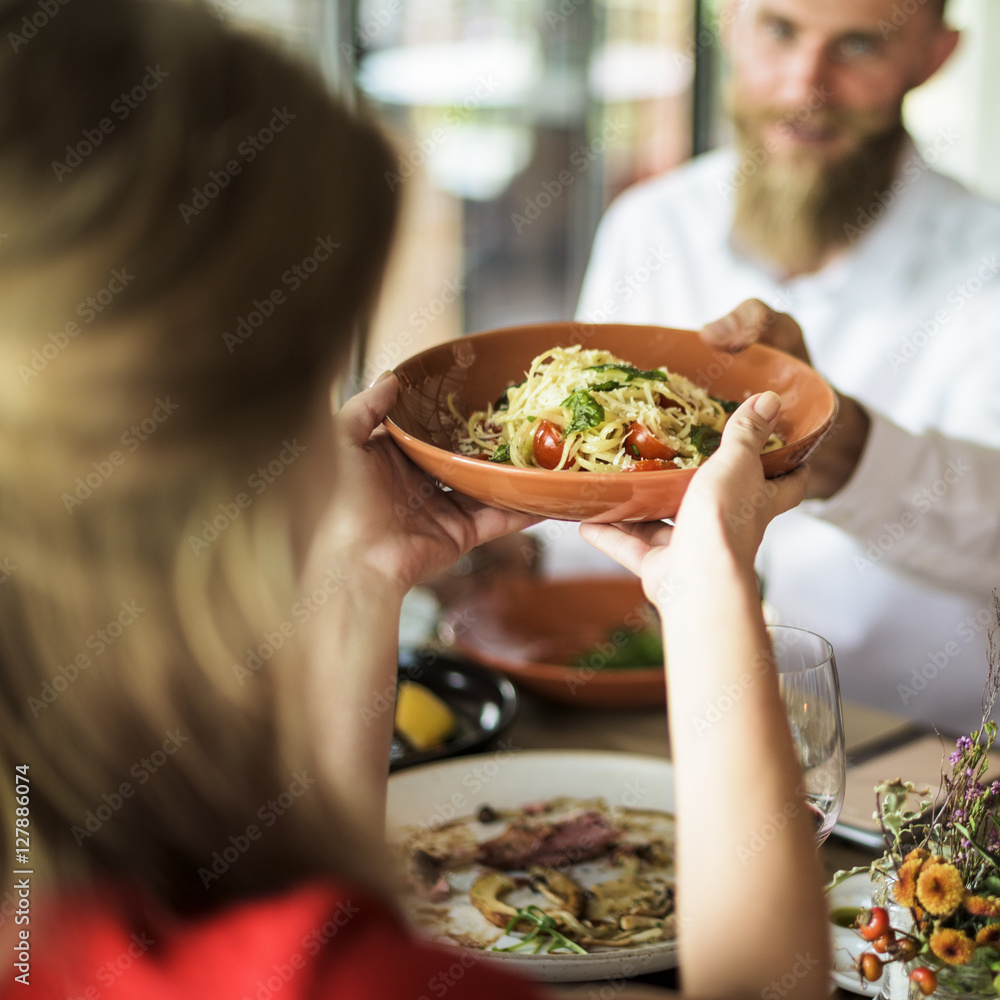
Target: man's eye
point(857, 46)
point(778, 28)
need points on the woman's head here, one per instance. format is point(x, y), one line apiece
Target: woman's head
point(192, 231)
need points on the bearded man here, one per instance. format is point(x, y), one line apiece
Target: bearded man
point(825, 208)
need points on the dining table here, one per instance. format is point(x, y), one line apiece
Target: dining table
point(542, 724)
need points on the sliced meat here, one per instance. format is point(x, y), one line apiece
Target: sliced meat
point(589, 835)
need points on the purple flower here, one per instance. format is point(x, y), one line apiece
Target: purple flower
point(954, 757)
point(963, 743)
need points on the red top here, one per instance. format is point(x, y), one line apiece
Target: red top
point(322, 941)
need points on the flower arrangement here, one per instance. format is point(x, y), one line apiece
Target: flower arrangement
point(940, 873)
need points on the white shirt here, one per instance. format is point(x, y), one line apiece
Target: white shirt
point(896, 570)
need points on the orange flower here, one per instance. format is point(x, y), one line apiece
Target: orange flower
point(989, 936)
point(952, 946)
point(918, 853)
point(905, 889)
point(982, 906)
point(940, 888)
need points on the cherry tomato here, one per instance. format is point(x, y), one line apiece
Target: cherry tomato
point(548, 444)
point(884, 943)
point(877, 925)
point(925, 979)
point(650, 465)
point(642, 443)
point(666, 403)
point(870, 966)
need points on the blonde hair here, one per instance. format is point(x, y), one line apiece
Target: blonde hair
point(192, 230)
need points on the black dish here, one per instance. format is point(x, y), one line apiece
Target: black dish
point(484, 703)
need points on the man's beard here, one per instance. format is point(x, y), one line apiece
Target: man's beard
point(799, 209)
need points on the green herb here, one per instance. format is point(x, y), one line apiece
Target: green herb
point(544, 937)
point(502, 454)
point(705, 439)
point(629, 372)
point(587, 412)
point(607, 386)
point(503, 402)
point(625, 650)
point(728, 405)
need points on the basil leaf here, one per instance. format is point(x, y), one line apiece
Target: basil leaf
point(502, 454)
point(630, 372)
point(587, 412)
point(607, 386)
point(728, 405)
point(705, 439)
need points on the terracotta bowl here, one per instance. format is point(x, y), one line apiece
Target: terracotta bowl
point(529, 628)
point(476, 370)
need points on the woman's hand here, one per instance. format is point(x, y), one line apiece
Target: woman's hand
point(727, 506)
point(833, 463)
point(388, 513)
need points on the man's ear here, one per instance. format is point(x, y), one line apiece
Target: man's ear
point(945, 42)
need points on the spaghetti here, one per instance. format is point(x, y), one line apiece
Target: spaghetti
point(589, 411)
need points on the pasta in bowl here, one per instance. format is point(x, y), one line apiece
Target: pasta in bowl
point(442, 388)
point(614, 417)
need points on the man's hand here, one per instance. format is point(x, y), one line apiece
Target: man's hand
point(834, 461)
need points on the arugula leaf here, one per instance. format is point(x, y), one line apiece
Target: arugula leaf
point(502, 454)
point(630, 372)
point(587, 412)
point(705, 439)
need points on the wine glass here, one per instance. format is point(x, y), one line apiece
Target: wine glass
point(807, 678)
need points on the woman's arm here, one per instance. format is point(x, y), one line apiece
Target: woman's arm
point(751, 920)
point(386, 527)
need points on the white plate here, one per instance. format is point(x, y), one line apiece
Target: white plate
point(847, 943)
point(435, 793)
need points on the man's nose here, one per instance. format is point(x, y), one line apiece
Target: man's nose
point(806, 71)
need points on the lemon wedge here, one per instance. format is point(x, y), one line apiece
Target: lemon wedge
point(422, 718)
